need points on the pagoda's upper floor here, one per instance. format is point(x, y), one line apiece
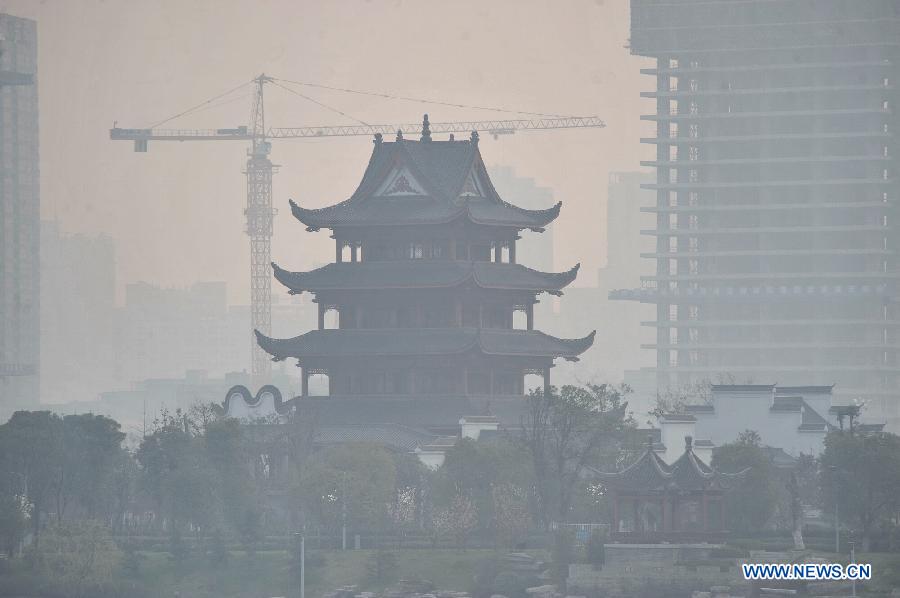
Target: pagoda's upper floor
point(426, 184)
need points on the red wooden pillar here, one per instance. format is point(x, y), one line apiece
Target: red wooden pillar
point(529, 316)
point(512, 251)
point(338, 251)
point(305, 383)
point(321, 316)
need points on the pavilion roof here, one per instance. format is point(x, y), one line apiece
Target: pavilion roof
point(423, 341)
point(650, 474)
point(407, 274)
point(424, 182)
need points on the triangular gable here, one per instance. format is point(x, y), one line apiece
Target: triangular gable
point(472, 186)
point(400, 182)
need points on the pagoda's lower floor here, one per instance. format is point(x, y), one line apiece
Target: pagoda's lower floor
point(433, 377)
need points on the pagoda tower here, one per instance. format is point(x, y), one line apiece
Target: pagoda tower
point(425, 283)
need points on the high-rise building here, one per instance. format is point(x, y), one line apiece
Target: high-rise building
point(19, 216)
point(78, 291)
point(776, 186)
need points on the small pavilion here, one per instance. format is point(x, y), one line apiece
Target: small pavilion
point(654, 501)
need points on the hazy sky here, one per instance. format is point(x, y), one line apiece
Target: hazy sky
point(176, 212)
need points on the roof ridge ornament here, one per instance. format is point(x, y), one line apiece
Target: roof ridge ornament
point(474, 138)
point(426, 129)
point(399, 135)
point(378, 139)
point(688, 443)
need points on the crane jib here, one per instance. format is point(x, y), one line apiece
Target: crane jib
point(243, 134)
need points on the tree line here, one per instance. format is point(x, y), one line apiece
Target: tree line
point(198, 475)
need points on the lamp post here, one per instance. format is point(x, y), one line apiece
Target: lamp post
point(837, 529)
point(853, 560)
point(302, 563)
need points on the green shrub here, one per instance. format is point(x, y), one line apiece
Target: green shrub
point(511, 585)
point(594, 551)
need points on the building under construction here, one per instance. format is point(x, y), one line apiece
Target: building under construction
point(19, 216)
point(776, 192)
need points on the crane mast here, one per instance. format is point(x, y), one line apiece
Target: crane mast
point(259, 170)
point(260, 215)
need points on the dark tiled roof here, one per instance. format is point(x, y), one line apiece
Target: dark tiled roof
point(741, 387)
point(812, 420)
point(442, 168)
point(422, 341)
point(794, 390)
point(423, 274)
point(652, 475)
point(678, 417)
point(788, 404)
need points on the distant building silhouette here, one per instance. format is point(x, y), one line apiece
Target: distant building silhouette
point(19, 217)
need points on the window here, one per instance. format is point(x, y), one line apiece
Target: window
point(416, 251)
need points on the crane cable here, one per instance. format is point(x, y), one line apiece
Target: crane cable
point(314, 101)
point(421, 100)
point(201, 104)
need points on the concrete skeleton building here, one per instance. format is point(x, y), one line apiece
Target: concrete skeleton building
point(776, 186)
point(19, 216)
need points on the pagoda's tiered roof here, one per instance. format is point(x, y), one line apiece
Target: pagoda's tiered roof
point(423, 341)
point(651, 475)
point(424, 182)
point(416, 274)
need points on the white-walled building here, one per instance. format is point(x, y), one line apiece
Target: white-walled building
point(795, 419)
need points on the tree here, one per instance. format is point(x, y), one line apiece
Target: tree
point(358, 477)
point(458, 520)
point(510, 513)
point(750, 506)
point(77, 559)
point(31, 448)
point(91, 446)
point(863, 472)
point(567, 430)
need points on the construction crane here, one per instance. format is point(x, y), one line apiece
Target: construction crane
point(259, 170)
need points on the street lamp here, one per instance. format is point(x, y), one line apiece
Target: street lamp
point(302, 563)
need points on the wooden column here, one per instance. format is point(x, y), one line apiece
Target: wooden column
point(665, 518)
point(705, 513)
point(512, 251)
point(338, 251)
point(321, 316)
point(546, 382)
point(305, 383)
point(330, 386)
point(498, 252)
point(529, 316)
point(615, 518)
